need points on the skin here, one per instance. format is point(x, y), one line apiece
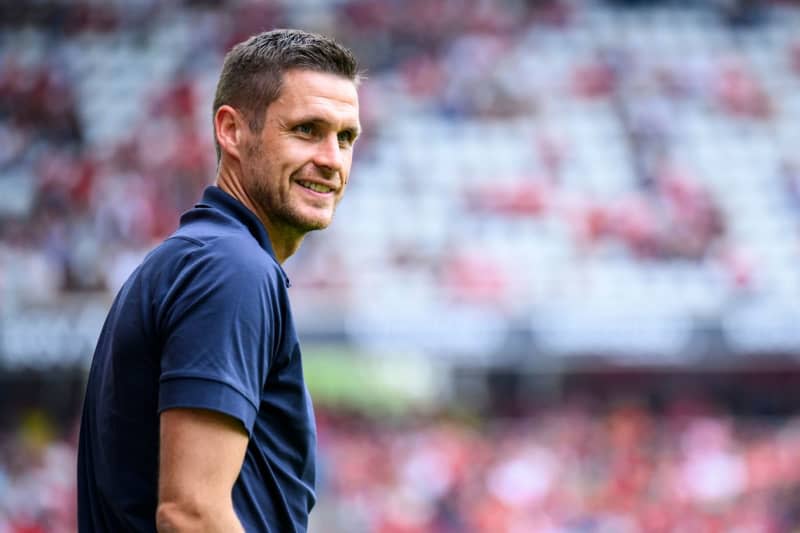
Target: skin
point(201, 453)
point(307, 137)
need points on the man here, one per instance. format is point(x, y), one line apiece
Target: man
point(196, 416)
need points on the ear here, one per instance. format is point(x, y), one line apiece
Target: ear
point(229, 128)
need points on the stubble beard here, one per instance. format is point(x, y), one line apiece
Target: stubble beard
point(265, 192)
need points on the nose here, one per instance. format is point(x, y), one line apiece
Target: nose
point(329, 154)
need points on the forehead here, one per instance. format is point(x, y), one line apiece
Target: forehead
point(327, 96)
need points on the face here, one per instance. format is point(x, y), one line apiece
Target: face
point(296, 169)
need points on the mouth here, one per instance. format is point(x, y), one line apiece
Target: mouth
point(315, 187)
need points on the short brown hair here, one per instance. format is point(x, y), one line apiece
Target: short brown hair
point(252, 73)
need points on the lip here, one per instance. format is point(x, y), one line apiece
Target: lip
point(315, 193)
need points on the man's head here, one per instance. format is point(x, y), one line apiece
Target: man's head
point(286, 116)
point(252, 73)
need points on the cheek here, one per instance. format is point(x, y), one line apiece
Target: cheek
point(346, 167)
point(296, 155)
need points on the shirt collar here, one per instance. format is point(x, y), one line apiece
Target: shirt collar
point(215, 197)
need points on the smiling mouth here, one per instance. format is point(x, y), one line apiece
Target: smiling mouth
point(316, 187)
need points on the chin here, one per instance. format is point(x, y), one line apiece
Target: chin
point(307, 224)
point(321, 224)
point(316, 221)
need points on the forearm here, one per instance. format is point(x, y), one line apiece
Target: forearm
point(183, 518)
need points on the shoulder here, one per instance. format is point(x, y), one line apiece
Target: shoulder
point(217, 252)
point(220, 271)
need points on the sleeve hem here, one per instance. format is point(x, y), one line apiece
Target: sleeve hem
point(204, 393)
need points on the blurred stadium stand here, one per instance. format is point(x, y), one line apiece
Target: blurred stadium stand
point(566, 263)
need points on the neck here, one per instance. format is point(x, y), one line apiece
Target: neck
point(285, 242)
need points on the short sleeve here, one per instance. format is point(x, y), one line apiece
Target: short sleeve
point(217, 325)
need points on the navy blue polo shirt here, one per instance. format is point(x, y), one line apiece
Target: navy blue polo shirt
point(203, 322)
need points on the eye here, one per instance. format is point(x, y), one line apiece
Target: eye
point(305, 128)
point(346, 137)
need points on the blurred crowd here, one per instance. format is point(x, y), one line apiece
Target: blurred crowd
point(91, 201)
point(95, 201)
point(564, 470)
point(37, 476)
point(515, 107)
point(573, 468)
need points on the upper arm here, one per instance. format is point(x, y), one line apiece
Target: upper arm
point(217, 322)
point(200, 456)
